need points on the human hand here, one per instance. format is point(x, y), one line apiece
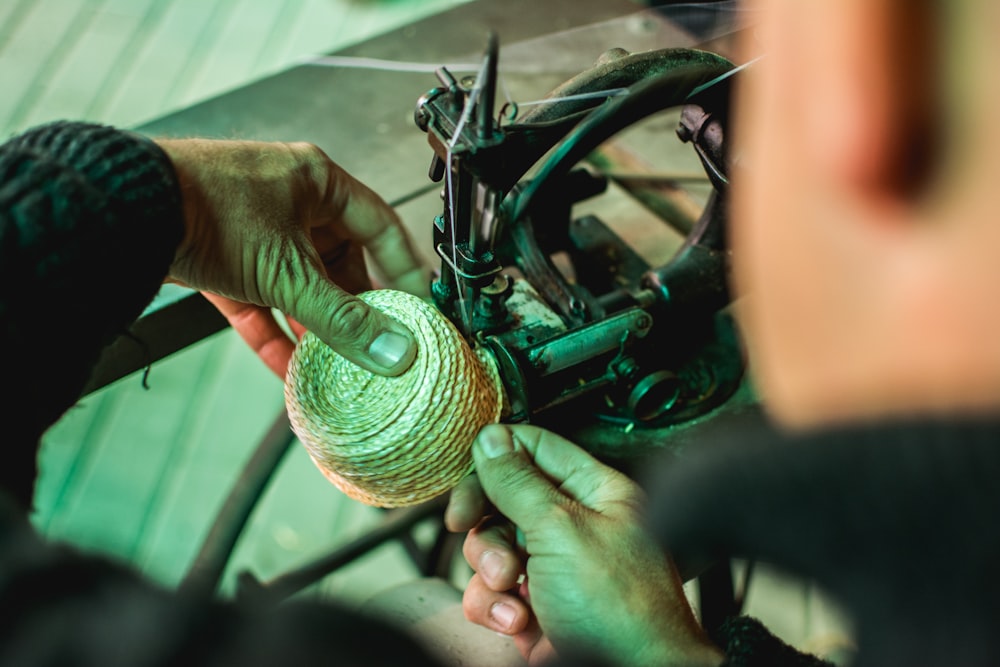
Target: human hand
point(594, 581)
point(274, 225)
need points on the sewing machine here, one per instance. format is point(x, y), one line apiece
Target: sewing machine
point(617, 339)
point(579, 323)
point(591, 340)
point(595, 280)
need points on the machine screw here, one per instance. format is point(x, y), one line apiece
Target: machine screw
point(421, 115)
point(540, 359)
point(493, 299)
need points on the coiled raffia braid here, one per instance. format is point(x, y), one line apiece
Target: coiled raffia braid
point(394, 441)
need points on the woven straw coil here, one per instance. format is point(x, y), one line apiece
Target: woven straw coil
point(394, 441)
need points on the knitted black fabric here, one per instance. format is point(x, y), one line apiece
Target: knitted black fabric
point(748, 643)
point(745, 641)
point(60, 607)
point(896, 520)
point(90, 217)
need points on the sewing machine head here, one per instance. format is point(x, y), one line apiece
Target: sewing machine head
point(591, 340)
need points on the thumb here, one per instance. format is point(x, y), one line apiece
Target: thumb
point(512, 482)
point(525, 470)
point(354, 329)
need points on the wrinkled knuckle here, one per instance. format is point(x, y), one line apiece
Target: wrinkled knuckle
point(351, 317)
point(307, 152)
point(316, 166)
point(512, 476)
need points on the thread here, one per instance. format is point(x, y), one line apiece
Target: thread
point(394, 441)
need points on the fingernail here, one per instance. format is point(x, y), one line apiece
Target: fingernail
point(389, 349)
point(503, 614)
point(494, 442)
point(491, 565)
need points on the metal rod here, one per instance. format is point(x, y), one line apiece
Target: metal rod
point(488, 93)
point(206, 571)
point(397, 522)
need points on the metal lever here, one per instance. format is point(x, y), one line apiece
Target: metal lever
point(460, 127)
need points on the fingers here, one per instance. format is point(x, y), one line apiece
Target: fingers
point(495, 596)
point(467, 505)
point(535, 646)
point(500, 611)
point(343, 259)
point(509, 614)
point(296, 328)
point(281, 225)
point(257, 326)
point(394, 260)
point(357, 331)
point(489, 550)
point(574, 470)
point(370, 221)
point(362, 334)
point(525, 471)
point(512, 482)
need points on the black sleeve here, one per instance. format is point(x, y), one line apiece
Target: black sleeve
point(748, 643)
point(90, 218)
point(745, 641)
point(59, 607)
point(895, 520)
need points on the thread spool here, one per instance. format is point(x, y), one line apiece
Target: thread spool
point(394, 441)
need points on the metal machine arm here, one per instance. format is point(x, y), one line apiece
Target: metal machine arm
point(639, 348)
